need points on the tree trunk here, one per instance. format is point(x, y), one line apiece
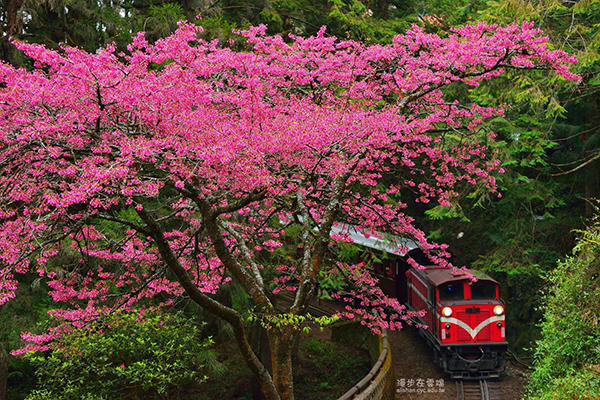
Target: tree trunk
point(153, 229)
point(296, 350)
point(4, 364)
point(383, 9)
point(592, 188)
point(282, 345)
point(13, 25)
point(265, 349)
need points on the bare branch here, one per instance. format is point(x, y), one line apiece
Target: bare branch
point(256, 292)
point(244, 250)
point(241, 203)
point(133, 225)
point(220, 310)
point(589, 161)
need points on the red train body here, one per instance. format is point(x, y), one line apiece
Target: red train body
point(465, 320)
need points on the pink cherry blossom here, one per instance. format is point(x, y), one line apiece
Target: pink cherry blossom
point(180, 165)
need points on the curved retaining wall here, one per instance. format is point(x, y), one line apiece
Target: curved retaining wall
point(379, 383)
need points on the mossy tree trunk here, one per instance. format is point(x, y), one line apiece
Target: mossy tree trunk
point(281, 342)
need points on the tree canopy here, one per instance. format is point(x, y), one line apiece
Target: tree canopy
point(177, 166)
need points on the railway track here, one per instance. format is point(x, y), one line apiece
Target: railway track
point(478, 390)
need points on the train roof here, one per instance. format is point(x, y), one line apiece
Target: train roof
point(440, 275)
point(379, 241)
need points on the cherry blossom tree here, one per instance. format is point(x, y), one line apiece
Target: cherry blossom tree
point(174, 168)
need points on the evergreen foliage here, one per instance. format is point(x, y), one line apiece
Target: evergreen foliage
point(566, 115)
point(568, 355)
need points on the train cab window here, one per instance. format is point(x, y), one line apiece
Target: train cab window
point(452, 291)
point(482, 290)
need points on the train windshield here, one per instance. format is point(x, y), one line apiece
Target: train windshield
point(481, 290)
point(452, 291)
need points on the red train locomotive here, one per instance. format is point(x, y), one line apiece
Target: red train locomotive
point(465, 320)
point(466, 325)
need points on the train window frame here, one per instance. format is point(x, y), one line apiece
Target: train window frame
point(474, 285)
point(431, 299)
point(453, 298)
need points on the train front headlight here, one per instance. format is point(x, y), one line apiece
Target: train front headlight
point(446, 312)
point(498, 310)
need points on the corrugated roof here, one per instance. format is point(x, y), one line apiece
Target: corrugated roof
point(378, 241)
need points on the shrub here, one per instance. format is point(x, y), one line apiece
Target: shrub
point(567, 363)
point(125, 355)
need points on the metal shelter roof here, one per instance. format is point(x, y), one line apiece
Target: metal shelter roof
point(379, 241)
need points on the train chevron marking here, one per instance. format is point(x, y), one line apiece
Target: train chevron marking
point(471, 331)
